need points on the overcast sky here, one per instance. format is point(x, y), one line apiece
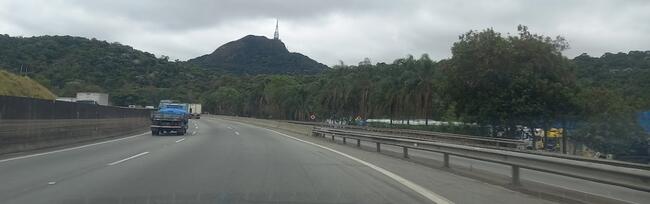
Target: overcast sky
point(328, 31)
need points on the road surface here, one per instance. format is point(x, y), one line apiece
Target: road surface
point(221, 161)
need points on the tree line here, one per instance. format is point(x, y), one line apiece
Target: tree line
point(503, 82)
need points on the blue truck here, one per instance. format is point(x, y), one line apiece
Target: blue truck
point(170, 118)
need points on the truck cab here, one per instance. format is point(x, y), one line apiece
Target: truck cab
point(171, 118)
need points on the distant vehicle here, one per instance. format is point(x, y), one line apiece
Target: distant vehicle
point(164, 103)
point(131, 106)
point(550, 141)
point(88, 102)
point(99, 98)
point(169, 120)
point(195, 110)
point(149, 107)
point(68, 99)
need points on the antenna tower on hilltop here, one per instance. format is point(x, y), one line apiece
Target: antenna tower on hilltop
point(276, 35)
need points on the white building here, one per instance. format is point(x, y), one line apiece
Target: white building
point(100, 98)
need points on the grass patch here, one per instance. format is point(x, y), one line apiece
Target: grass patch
point(14, 85)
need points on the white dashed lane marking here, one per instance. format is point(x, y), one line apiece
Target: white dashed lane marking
point(128, 158)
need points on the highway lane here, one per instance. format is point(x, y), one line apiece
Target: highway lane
point(216, 164)
point(225, 162)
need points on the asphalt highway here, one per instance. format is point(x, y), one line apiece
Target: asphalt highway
point(221, 161)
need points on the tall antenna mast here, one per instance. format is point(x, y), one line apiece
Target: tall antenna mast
point(276, 35)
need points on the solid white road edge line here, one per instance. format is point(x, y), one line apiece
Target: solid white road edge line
point(71, 148)
point(417, 188)
point(177, 141)
point(128, 158)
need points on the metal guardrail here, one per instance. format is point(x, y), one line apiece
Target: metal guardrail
point(466, 139)
point(633, 178)
point(498, 143)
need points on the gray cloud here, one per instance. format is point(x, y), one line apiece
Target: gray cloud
point(328, 31)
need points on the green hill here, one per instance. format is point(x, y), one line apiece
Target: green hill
point(258, 55)
point(68, 65)
point(626, 73)
point(14, 85)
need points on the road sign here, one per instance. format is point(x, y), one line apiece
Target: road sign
point(313, 117)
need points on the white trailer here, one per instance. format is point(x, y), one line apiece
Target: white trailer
point(195, 110)
point(99, 98)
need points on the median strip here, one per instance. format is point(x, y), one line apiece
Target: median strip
point(128, 158)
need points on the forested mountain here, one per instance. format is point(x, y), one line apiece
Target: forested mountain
point(68, 64)
point(258, 55)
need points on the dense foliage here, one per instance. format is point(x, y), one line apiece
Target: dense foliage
point(403, 89)
point(510, 81)
point(625, 73)
point(615, 87)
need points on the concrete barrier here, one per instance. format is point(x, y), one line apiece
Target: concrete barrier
point(28, 124)
point(25, 135)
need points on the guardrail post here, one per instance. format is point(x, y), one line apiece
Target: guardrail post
point(406, 152)
point(344, 140)
point(446, 159)
point(378, 147)
point(358, 142)
point(515, 175)
point(332, 137)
